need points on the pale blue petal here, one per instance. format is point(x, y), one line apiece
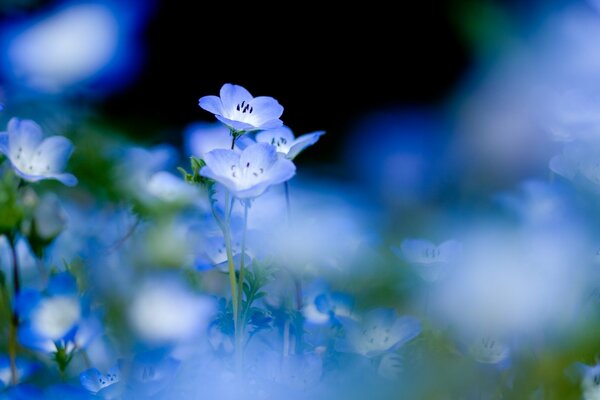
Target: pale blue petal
point(405, 329)
point(23, 137)
point(52, 154)
point(232, 95)
point(211, 104)
point(303, 142)
point(91, 380)
point(200, 138)
point(417, 250)
point(220, 161)
point(258, 155)
point(281, 137)
point(236, 125)
point(267, 112)
point(65, 178)
point(281, 171)
point(252, 192)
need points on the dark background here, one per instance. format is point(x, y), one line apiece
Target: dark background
point(326, 69)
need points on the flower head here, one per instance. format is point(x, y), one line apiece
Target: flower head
point(379, 332)
point(431, 262)
point(241, 112)
point(32, 158)
point(285, 142)
point(249, 174)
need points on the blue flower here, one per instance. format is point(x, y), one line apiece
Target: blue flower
point(25, 369)
point(380, 331)
point(321, 306)
point(32, 158)
point(285, 142)
point(201, 137)
point(249, 174)
point(55, 318)
point(95, 381)
point(431, 262)
point(241, 112)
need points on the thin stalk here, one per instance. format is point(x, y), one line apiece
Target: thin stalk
point(287, 202)
point(14, 321)
point(241, 326)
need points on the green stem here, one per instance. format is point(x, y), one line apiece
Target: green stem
point(241, 325)
point(14, 321)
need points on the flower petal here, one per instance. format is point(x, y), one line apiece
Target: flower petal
point(232, 95)
point(282, 138)
point(281, 171)
point(211, 104)
point(52, 155)
point(237, 125)
point(267, 111)
point(258, 155)
point(303, 142)
point(23, 138)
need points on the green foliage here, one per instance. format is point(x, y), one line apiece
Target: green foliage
point(194, 177)
point(11, 207)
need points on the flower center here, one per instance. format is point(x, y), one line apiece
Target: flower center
point(238, 172)
point(244, 107)
point(279, 142)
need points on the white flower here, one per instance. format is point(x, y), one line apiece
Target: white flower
point(165, 311)
point(249, 174)
point(56, 316)
point(431, 262)
point(285, 142)
point(32, 158)
point(378, 332)
point(242, 112)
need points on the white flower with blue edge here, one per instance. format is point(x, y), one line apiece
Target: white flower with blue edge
point(33, 158)
point(250, 173)
point(95, 381)
point(25, 368)
point(286, 143)
point(430, 261)
point(242, 112)
point(380, 331)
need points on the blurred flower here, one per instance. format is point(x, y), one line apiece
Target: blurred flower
point(378, 332)
point(32, 158)
point(95, 381)
point(49, 218)
point(488, 350)
point(201, 138)
point(285, 142)
point(75, 43)
point(237, 109)
point(25, 368)
point(249, 174)
point(56, 318)
point(431, 262)
point(171, 189)
point(321, 306)
point(590, 381)
point(165, 310)
point(578, 161)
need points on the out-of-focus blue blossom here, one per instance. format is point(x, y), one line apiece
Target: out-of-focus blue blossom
point(30, 272)
point(321, 306)
point(578, 162)
point(25, 368)
point(202, 137)
point(590, 380)
point(63, 391)
point(75, 43)
point(54, 318)
point(242, 112)
point(488, 350)
point(21, 392)
point(432, 262)
point(164, 310)
point(249, 174)
point(377, 332)
point(171, 189)
point(32, 158)
point(149, 373)
point(285, 142)
point(49, 217)
point(400, 153)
